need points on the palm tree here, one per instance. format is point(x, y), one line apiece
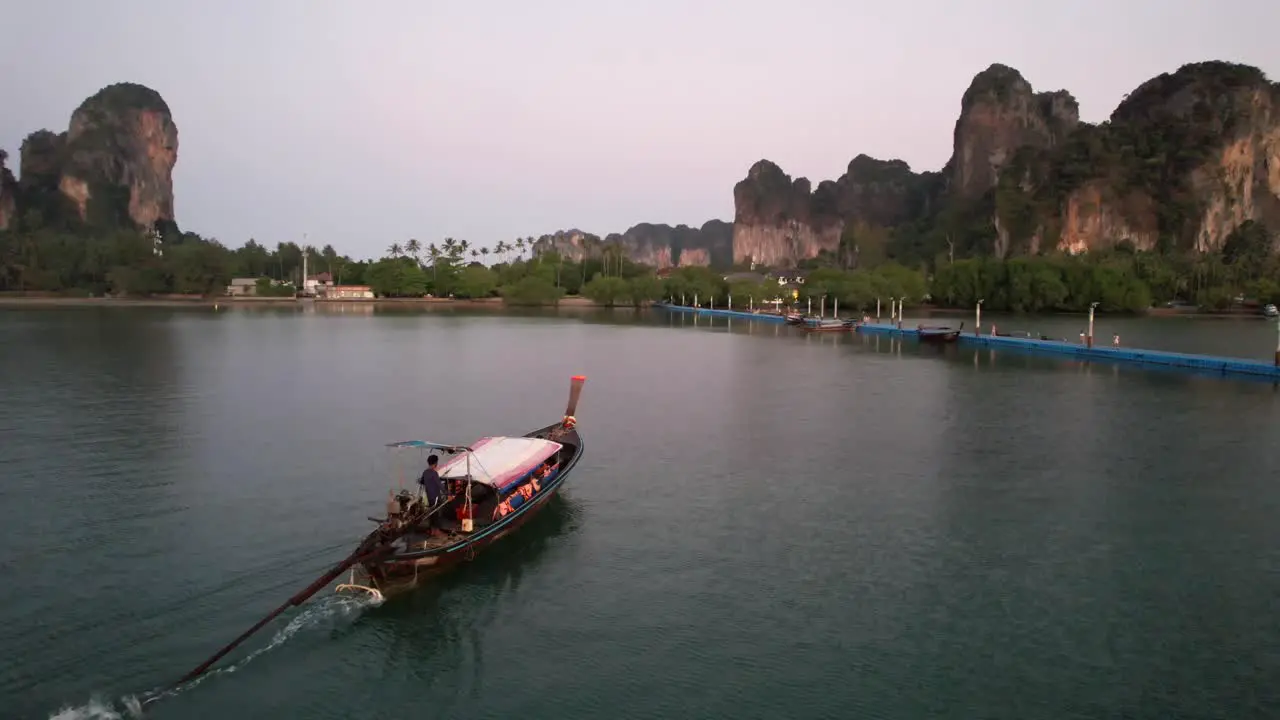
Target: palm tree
point(519, 248)
point(395, 250)
point(433, 252)
point(475, 254)
point(450, 247)
point(463, 246)
point(413, 247)
point(330, 256)
point(501, 248)
point(485, 252)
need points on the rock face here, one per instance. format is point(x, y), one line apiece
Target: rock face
point(663, 246)
point(999, 114)
point(1091, 221)
point(573, 245)
point(1184, 161)
point(777, 219)
point(660, 246)
point(112, 167)
point(1222, 123)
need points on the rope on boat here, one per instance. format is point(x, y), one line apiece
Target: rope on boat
point(352, 586)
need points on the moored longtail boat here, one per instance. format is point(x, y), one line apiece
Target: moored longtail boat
point(827, 325)
point(939, 334)
point(493, 486)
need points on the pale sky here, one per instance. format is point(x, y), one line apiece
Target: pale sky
point(363, 124)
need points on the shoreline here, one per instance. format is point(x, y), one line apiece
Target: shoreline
point(573, 302)
point(225, 301)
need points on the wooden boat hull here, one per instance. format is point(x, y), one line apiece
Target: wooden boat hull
point(829, 326)
point(404, 571)
point(939, 335)
point(939, 338)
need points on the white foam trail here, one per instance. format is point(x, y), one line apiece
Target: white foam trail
point(97, 709)
point(130, 706)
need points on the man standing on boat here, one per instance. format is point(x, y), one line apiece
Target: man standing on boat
point(433, 487)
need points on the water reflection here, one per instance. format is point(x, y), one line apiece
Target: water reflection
point(499, 569)
point(436, 632)
point(345, 308)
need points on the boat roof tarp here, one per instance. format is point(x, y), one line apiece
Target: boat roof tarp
point(500, 462)
point(424, 444)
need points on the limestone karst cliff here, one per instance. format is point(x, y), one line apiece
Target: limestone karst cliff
point(1185, 160)
point(779, 221)
point(659, 246)
point(1000, 113)
point(112, 167)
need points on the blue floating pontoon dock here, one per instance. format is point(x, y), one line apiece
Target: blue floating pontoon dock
point(1202, 364)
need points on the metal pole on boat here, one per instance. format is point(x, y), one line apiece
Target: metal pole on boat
point(822, 307)
point(695, 299)
point(1088, 340)
point(835, 312)
point(731, 301)
point(977, 320)
point(467, 522)
point(809, 306)
point(877, 309)
point(901, 304)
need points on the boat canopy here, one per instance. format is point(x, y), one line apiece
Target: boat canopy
point(500, 462)
point(423, 444)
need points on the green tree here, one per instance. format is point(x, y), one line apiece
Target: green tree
point(476, 281)
point(607, 291)
point(396, 277)
point(531, 290)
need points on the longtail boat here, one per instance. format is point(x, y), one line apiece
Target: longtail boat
point(493, 486)
point(939, 334)
point(827, 324)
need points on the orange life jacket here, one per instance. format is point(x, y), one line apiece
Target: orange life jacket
point(527, 491)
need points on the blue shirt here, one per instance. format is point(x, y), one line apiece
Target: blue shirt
point(431, 483)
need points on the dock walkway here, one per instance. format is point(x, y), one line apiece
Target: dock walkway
point(1136, 356)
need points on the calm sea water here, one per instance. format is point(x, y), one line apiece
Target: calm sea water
point(765, 524)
